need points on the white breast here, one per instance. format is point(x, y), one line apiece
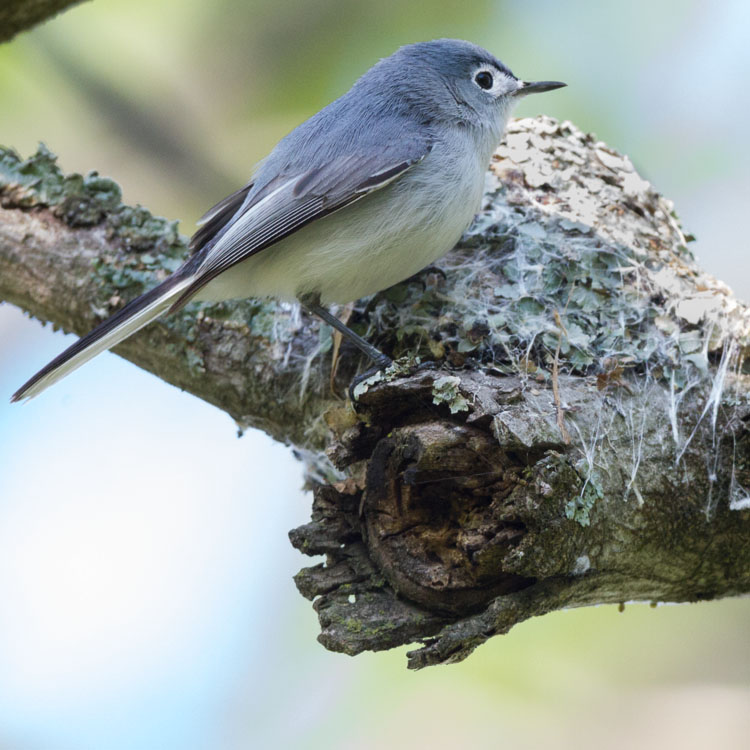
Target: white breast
point(373, 243)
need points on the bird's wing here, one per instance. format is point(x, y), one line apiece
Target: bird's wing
point(292, 200)
point(216, 218)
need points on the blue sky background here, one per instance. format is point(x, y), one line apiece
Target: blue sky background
point(145, 570)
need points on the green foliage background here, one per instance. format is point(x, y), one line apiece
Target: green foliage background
point(177, 100)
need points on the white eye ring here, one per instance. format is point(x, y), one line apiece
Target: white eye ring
point(490, 80)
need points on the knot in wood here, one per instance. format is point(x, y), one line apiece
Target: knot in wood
point(438, 519)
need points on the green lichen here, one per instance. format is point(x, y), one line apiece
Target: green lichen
point(155, 238)
point(579, 508)
point(144, 248)
point(78, 200)
point(560, 484)
point(154, 242)
point(445, 390)
point(575, 259)
point(352, 625)
point(395, 370)
point(576, 266)
point(362, 387)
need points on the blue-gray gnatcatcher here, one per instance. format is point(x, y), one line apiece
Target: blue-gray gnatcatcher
point(368, 191)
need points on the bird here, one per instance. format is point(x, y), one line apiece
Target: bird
point(377, 185)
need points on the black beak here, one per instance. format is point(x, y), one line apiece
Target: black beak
point(537, 87)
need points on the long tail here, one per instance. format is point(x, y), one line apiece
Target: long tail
point(134, 316)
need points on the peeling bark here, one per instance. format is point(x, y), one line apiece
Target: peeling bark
point(566, 422)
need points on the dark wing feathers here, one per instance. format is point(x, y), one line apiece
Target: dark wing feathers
point(217, 217)
point(250, 220)
point(384, 176)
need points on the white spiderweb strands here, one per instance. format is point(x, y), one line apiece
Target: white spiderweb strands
point(570, 229)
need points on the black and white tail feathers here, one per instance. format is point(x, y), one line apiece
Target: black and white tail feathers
point(134, 316)
point(166, 297)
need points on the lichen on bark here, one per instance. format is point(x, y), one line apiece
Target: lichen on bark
point(566, 423)
point(72, 253)
point(598, 386)
point(482, 526)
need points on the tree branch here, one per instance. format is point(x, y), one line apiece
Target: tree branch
point(71, 253)
point(581, 438)
point(19, 15)
point(486, 517)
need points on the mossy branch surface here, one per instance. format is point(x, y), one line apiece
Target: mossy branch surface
point(71, 253)
point(566, 424)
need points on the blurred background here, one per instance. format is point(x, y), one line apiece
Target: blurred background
point(146, 594)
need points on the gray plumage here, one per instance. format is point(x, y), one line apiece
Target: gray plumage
point(365, 193)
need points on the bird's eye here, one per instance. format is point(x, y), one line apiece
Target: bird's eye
point(484, 80)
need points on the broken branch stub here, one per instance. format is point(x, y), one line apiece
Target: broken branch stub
point(454, 527)
point(586, 444)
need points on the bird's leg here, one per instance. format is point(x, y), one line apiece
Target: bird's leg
point(311, 303)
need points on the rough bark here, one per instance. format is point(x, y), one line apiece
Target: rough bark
point(19, 15)
point(460, 526)
point(71, 253)
point(566, 424)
